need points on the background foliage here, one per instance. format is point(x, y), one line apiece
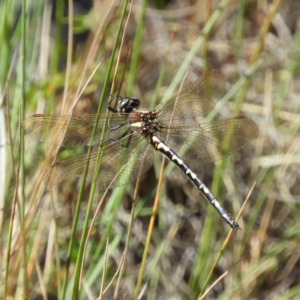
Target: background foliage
point(50, 67)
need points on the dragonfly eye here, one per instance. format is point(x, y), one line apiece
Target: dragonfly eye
point(128, 104)
point(135, 102)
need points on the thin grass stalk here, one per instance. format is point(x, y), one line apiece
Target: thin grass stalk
point(98, 208)
point(158, 257)
point(266, 115)
point(257, 51)
point(113, 278)
point(150, 231)
point(41, 282)
point(201, 297)
point(77, 287)
point(77, 209)
point(224, 246)
point(21, 221)
point(33, 204)
point(22, 147)
point(5, 75)
point(122, 268)
point(162, 72)
point(57, 255)
point(203, 253)
point(267, 179)
point(15, 202)
point(69, 55)
point(9, 237)
point(54, 59)
point(104, 269)
point(23, 102)
point(5, 50)
point(119, 55)
point(112, 207)
point(73, 232)
point(207, 36)
point(219, 170)
point(263, 127)
point(90, 56)
point(266, 218)
point(136, 48)
point(195, 49)
point(239, 32)
point(95, 216)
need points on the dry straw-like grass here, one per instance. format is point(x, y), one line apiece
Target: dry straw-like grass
point(255, 44)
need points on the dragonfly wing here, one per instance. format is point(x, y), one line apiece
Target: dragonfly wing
point(189, 108)
point(212, 141)
point(199, 98)
point(211, 85)
point(74, 131)
point(121, 162)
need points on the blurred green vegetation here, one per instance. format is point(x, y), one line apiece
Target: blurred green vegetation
point(62, 69)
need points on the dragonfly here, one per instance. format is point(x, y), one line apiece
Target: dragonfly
point(129, 137)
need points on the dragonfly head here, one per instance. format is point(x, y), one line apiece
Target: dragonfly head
point(128, 104)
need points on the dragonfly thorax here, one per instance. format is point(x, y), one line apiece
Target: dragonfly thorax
point(128, 104)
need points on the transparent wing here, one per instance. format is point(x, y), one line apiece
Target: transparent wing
point(195, 101)
point(71, 131)
point(121, 162)
point(210, 141)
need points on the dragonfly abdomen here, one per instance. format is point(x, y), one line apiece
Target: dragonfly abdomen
point(159, 145)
